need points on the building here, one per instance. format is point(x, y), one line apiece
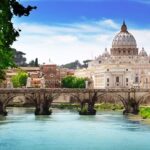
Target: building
point(51, 75)
point(54, 74)
point(123, 67)
point(33, 72)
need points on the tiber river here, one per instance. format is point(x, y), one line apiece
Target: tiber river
point(66, 130)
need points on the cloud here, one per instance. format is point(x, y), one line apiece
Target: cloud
point(63, 43)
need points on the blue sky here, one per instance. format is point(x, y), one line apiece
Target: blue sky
point(65, 11)
point(85, 27)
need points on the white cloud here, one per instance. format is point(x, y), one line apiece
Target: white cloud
point(68, 42)
point(142, 37)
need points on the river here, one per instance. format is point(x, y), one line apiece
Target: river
point(66, 130)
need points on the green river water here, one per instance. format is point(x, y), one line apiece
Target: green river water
point(66, 130)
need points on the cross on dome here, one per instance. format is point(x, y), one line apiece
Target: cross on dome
point(124, 27)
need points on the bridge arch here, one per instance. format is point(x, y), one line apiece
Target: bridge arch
point(26, 97)
point(111, 97)
point(145, 99)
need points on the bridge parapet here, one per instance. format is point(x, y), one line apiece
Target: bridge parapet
point(66, 90)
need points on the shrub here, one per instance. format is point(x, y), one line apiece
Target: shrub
point(20, 79)
point(145, 112)
point(73, 82)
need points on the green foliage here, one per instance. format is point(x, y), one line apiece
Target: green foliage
point(8, 34)
point(73, 82)
point(31, 63)
point(84, 110)
point(85, 63)
point(67, 106)
point(72, 65)
point(36, 62)
point(20, 79)
point(2, 75)
point(108, 106)
point(19, 58)
point(145, 112)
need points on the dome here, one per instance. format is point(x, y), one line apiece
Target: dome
point(143, 53)
point(124, 39)
point(106, 53)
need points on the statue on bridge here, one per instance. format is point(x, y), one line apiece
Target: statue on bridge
point(42, 85)
point(9, 83)
point(28, 85)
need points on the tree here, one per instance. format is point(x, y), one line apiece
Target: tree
point(36, 64)
point(20, 79)
point(72, 65)
point(8, 34)
point(73, 82)
point(31, 63)
point(85, 65)
point(19, 58)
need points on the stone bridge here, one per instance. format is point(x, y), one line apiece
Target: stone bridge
point(43, 98)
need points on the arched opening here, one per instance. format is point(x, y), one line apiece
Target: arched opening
point(14, 100)
point(144, 100)
point(110, 101)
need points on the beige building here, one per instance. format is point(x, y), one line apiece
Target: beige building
point(123, 67)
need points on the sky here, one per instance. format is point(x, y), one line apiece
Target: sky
point(63, 31)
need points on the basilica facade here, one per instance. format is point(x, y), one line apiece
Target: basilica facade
point(123, 67)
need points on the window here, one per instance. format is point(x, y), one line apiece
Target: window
point(126, 79)
point(107, 84)
point(107, 79)
point(127, 84)
point(126, 69)
point(136, 79)
point(99, 62)
point(117, 79)
point(107, 69)
point(51, 75)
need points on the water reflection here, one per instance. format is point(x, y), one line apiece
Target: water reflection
point(2, 120)
point(42, 118)
point(20, 110)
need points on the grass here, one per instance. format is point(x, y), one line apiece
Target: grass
point(145, 112)
point(108, 106)
point(66, 106)
point(98, 107)
point(84, 110)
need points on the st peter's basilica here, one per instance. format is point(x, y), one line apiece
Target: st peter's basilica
point(123, 67)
